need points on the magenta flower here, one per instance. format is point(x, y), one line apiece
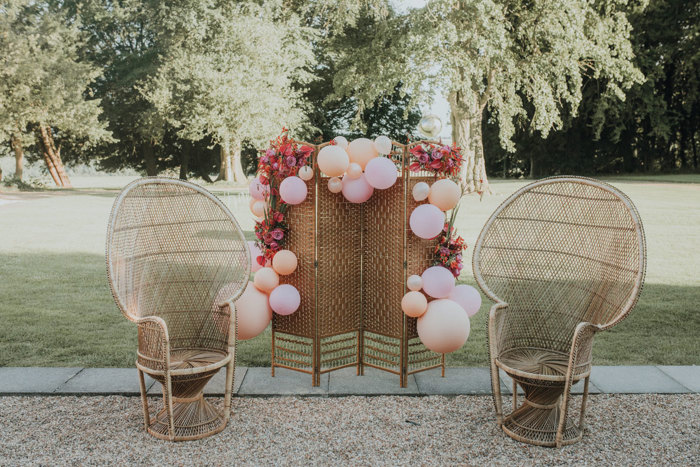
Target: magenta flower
point(274, 246)
point(291, 161)
point(423, 158)
point(436, 155)
point(267, 238)
point(277, 234)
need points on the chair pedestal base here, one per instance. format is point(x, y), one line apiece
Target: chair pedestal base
point(194, 418)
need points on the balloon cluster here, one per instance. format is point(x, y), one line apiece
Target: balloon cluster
point(355, 168)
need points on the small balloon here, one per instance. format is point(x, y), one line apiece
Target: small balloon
point(414, 304)
point(362, 150)
point(285, 299)
point(381, 173)
point(333, 160)
point(284, 262)
point(266, 279)
point(468, 298)
point(341, 141)
point(293, 190)
point(358, 190)
point(383, 144)
point(258, 190)
point(438, 281)
point(444, 327)
point(306, 173)
point(430, 126)
point(414, 282)
point(427, 221)
point(421, 190)
point(258, 208)
point(254, 254)
point(253, 312)
point(335, 185)
point(354, 170)
point(444, 194)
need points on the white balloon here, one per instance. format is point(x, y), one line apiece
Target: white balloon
point(383, 144)
point(341, 141)
point(414, 282)
point(421, 190)
point(306, 173)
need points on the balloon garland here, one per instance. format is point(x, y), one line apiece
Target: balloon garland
point(356, 169)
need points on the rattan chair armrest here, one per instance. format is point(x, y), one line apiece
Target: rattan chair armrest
point(154, 343)
point(229, 307)
point(581, 345)
point(496, 316)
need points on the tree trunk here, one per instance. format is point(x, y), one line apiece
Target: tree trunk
point(16, 144)
point(52, 156)
point(185, 160)
point(466, 117)
point(231, 168)
point(150, 159)
point(226, 164)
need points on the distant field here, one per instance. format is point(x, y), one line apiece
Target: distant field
point(56, 308)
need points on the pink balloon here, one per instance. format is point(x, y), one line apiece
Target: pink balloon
point(253, 312)
point(444, 327)
point(357, 190)
point(254, 253)
point(381, 173)
point(438, 282)
point(258, 190)
point(293, 190)
point(285, 299)
point(427, 221)
point(467, 297)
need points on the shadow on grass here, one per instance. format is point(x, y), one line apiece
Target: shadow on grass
point(57, 310)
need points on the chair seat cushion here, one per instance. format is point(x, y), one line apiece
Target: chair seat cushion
point(535, 363)
point(194, 358)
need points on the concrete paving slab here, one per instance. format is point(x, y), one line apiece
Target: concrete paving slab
point(259, 382)
point(688, 376)
point(507, 382)
point(345, 382)
point(634, 380)
point(91, 381)
point(459, 380)
point(216, 385)
point(34, 380)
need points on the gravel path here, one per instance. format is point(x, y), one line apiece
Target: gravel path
point(622, 429)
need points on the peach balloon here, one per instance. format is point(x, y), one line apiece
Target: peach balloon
point(467, 297)
point(284, 262)
point(362, 150)
point(438, 281)
point(258, 208)
point(285, 299)
point(414, 282)
point(444, 194)
point(420, 191)
point(333, 160)
point(381, 173)
point(254, 253)
point(414, 304)
point(354, 170)
point(266, 279)
point(444, 327)
point(306, 173)
point(293, 190)
point(358, 190)
point(341, 141)
point(335, 185)
point(427, 221)
point(253, 312)
point(257, 189)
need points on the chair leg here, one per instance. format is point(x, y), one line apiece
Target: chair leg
point(144, 401)
point(230, 373)
point(515, 395)
point(583, 404)
point(564, 408)
point(168, 400)
point(496, 388)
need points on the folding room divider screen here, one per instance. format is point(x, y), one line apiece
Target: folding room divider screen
point(354, 260)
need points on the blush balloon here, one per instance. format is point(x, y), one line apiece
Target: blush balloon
point(293, 190)
point(306, 173)
point(253, 312)
point(333, 160)
point(284, 262)
point(341, 141)
point(254, 253)
point(285, 299)
point(335, 185)
point(354, 170)
point(266, 279)
point(420, 191)
point(444, 194)
point(468, 298)
point(381, 173)
point(438, 282)
point(258, 208)
point(444, 327)
point(362, 150)
point(383, 144)
point(357, 190)
point(258, 190)
point(414, 282)
point(427, 221)
point(414, 304)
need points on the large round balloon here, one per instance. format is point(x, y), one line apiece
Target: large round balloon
point(254, 254)
point(341, 141)
point(333, 160)
point(266, 279)
point(293, 190)
point(438, 282)
point(357, 190)
point(383, 144)
point(285, 299)
point(444, 194)
point(362, 150)
point(257, 189)
point(467, 297)
point(381, 173)
point(427, 221)
point(306, 173)
point(354, 170)
point(444, 327)
point(414, 304)
point(284, 262)
point(253, 312)
point(414, 282)
point(420, 191)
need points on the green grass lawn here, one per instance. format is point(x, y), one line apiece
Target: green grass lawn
point(56, 308)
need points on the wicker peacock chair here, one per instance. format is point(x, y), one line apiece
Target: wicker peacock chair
point(176, 261)
point(563, 258)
